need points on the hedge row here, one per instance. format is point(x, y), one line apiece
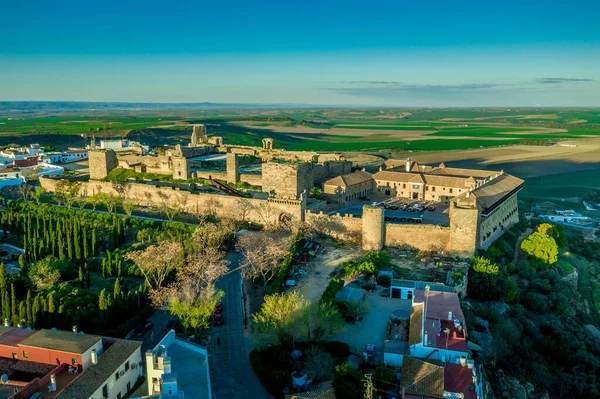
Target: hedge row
point(286, 265)
point(334, 286)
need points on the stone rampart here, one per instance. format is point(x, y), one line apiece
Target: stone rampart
point(247, 209)
point(425, 237)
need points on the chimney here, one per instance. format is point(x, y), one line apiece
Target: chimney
point(53, 382)
point(425, 338)
point(450, 316)
point(408, 164)
point(167, 365)
point(94, 357)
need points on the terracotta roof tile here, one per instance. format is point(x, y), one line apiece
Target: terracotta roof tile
point(422, 378)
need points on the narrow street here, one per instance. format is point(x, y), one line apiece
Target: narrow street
point(231, 373)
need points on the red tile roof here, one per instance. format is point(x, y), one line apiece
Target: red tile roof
point(457, 379)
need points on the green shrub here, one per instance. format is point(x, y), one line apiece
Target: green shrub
point(332, 288)
point(286, 265)
point(347, 382)
point(384, 378)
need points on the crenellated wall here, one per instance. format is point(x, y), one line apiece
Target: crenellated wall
point(248, 209)
point(425, 237)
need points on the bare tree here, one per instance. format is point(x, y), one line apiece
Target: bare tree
point(68, 191)
point(157, 261)
point(212, 205)
point(109, 201)
point(193, 295)
point(244, 208)
point(266, 211)
point(263, 252)
point(182, 200)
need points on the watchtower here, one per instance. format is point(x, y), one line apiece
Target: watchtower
point(233, 173)
point(101, 163)
point(373, 228)
point(268, 144)
point(198, 135)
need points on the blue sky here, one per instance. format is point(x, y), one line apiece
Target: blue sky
point(436, 53)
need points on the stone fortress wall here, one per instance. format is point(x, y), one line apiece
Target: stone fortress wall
point(287, 177)
point(271, 210)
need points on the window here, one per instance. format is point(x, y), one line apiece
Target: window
point(119, 395)
point(25, 354)
point(450, 191)
point(74, 362)
point(117, 375)
point(14, 355)
point(105, 391)
point(127, 366)
point(426, 188)
point(404, 185)
point(432, 188)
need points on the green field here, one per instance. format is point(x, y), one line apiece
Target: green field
point(569, 184)
point(311, 129)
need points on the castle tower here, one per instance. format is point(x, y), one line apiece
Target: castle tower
point(198, 135)
point(101, 163)
point(464, 225)
point(268, 144)
point(233, 173)
point(181, 168)
point(373, 228)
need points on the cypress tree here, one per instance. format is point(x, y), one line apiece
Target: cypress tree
point(94, 242)
point(14, 315)
point(35, 311)
point(3, 278)
point(88, 277)
point(81, 282)
point(69, 236)
point(51, 305)
point(86, 249)
point(28, 311)
point(22, 313)
point(77, 239)
point(5, 306)
point(117, 290)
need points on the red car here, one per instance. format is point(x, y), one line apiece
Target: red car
point(218, 319)
point(219, 307)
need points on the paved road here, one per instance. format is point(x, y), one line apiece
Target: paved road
point(232, 376)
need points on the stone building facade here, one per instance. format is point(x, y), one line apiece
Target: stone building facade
point(101, 163)
point(287, 180)
point(181, 168)
point(348, 187)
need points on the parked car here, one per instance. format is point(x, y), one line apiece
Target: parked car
point(431, 208)
point(218, 319)
point(219, 307)
point(143, 329)
point(394, 207)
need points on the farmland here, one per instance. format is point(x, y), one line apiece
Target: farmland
point(308, 129)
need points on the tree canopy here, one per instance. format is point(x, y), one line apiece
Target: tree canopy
point(541, 247)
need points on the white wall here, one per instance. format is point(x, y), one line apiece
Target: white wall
point(115, 386)
point(86, 357)
point(393, 359)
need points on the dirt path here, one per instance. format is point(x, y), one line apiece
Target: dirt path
point(518, 245)
point(318, 271)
